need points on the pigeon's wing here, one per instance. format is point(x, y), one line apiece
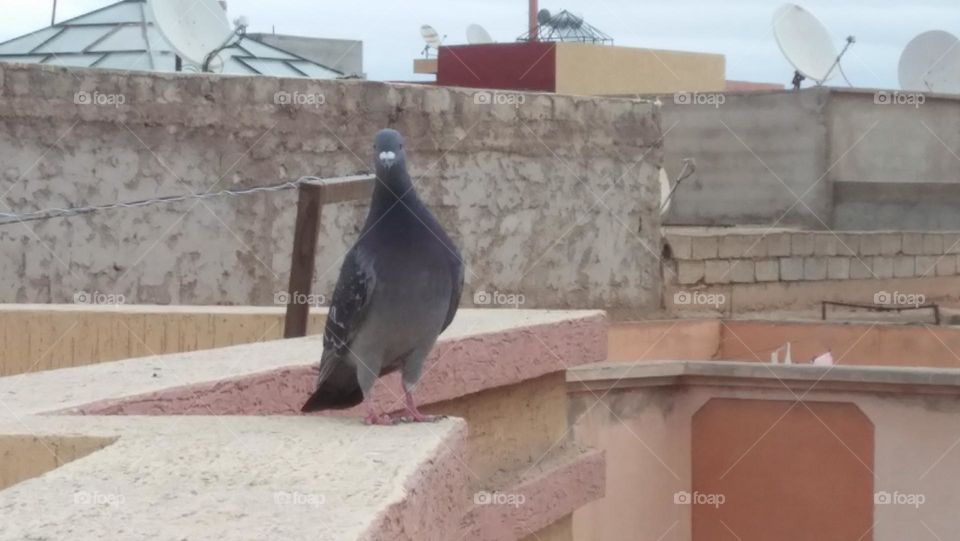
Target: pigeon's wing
point(348, 308)
point(457, 271)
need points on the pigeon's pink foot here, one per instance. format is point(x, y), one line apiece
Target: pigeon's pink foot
point(378, 419)
point(413, 414)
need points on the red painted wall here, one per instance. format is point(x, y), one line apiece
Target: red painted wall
point(507, 66)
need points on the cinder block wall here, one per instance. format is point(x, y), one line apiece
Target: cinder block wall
point(799, 269)
point(551, 197)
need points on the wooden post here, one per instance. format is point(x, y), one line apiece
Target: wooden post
point(305, 233)
point(312, 196)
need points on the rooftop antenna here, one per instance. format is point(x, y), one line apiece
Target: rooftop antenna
point(807, 45)
point(478, 35)
point(431, 38)
point(533, 16)
point(53, 16)
point(196, 29)
point(931, 63)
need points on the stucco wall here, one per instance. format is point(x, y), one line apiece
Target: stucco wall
point(550, 197)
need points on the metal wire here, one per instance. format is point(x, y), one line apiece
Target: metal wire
point(7, 218)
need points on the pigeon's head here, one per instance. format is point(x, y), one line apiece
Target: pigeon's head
point(388, 149)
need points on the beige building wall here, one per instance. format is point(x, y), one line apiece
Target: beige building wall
point(587, 69)
point(44, 337)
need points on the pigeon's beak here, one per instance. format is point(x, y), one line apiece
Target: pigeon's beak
point(388, 158)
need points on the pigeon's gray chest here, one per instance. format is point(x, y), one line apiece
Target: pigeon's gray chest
point(410, 301)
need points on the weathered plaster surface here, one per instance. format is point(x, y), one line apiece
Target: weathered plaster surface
point(554, 199)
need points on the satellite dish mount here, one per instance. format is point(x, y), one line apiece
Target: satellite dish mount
point(196, 29)
point(431, 38)
point(240, 24)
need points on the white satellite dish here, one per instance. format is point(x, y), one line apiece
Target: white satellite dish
point(194, 28)
point(430, 36)
point(477, 35)
point(806, 43)
point(931, 63)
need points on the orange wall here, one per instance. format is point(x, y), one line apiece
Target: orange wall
point(778, 466)
point(675, 340)
point(850, 343)
point(857, 344)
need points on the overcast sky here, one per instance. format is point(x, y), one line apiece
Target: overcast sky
point(739, 29)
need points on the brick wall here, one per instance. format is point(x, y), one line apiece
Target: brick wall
point(806, 256)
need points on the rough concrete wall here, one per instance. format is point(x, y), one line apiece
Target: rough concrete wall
point(897, 164)
point(552, 198)
point(858, 160)
point(903, 137)
point(756, 154)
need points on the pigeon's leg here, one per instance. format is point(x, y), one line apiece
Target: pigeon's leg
point(366, 377)
point(411, 375)
point(413, 413)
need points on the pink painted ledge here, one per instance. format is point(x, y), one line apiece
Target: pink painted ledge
point(457, 367)
point(561, 486)
point(434, 500)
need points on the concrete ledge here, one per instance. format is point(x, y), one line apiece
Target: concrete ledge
point(760, 375)
point(233, 479)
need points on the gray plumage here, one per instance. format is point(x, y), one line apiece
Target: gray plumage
point(399, 288)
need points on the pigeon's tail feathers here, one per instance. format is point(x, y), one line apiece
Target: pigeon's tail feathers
point(339, 390)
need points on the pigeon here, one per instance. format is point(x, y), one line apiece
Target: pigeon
point(399, 288)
